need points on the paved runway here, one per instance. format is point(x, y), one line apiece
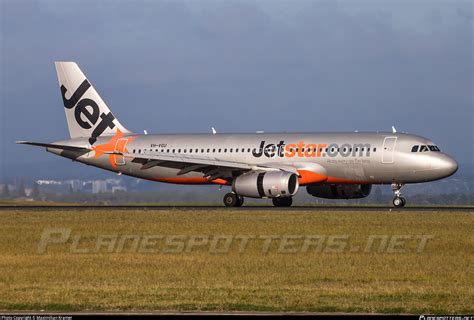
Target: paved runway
point(247, 208)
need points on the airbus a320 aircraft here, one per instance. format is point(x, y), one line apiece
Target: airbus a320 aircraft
point(274, 166)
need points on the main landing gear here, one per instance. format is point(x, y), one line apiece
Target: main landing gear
point(282, 202)
point(398, 201)
point(233, 200)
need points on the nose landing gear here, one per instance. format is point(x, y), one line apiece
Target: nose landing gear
point(398, 201)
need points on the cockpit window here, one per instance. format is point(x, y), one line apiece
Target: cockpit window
point(425, 148)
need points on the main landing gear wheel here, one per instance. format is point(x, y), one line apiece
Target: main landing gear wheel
point(282, 202)
point(398, 201)
point(241, 201)
point(233, 200)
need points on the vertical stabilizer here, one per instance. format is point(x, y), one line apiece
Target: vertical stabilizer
point(86, 113)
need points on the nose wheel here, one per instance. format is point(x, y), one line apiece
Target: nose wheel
point(233, 200)
point(398, 201)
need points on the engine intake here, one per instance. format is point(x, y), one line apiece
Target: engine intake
point(266, 184)
point(339, 191)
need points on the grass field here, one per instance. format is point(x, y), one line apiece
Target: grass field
point(339, 273)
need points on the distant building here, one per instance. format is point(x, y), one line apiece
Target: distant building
point(118, 189)
point(99, 186)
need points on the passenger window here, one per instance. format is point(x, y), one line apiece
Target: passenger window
point(248, 150)
point(220, 150)
point(375, 149)
point(230, 150)
point(414, 149)
point(133, 150)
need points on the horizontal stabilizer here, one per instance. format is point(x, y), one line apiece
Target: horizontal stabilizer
point(54, 146)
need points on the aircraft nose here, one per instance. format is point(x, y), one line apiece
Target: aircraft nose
point(447, 165)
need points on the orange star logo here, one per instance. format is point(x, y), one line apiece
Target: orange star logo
point(117, 143)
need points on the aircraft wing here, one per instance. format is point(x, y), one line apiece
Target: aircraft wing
point(212, 168)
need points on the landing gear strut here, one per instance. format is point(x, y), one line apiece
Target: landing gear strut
point(398, 201)
point(282, 202)
point(233, 200)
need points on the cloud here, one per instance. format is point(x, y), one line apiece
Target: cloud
point(182, 66)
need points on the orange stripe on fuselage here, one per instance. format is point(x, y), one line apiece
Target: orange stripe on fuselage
point(308, 177)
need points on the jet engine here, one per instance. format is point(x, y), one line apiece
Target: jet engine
point(270, 184)
point(339, 191)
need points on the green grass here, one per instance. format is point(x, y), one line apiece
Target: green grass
point(438, 280)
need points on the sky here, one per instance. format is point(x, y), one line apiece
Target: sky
point(241, 66)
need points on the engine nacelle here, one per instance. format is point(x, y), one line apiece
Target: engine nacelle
point(339, 191)
point(269, 184)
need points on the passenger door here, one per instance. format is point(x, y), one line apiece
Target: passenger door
point(120, 147)
point(388, 149)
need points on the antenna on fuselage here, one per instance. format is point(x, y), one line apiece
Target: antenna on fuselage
point(394, 130)
point(213, 130)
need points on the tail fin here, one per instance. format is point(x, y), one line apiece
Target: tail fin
point(87, 114)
